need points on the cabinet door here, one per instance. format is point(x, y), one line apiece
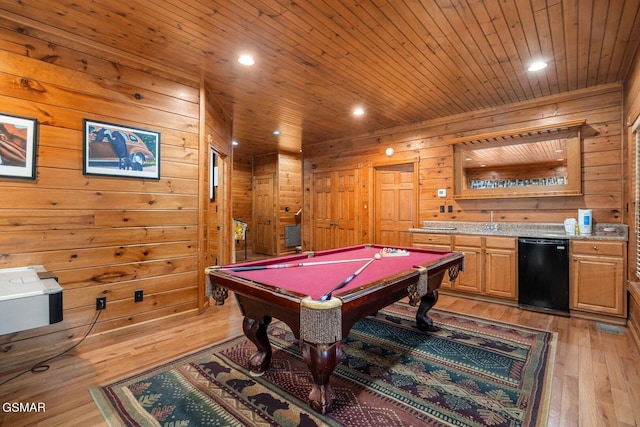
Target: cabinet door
point(500, 263)
point(500, 273)
point(440, 242)
point(597, 284)
point(470, 280)
point(446, 283)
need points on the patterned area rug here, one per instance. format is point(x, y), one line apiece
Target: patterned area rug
point(471, 372)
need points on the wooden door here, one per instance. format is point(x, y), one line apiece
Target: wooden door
point(322, 210)
point(395, 204)
point(344, 209)
point(264, 212)
point(335, 221)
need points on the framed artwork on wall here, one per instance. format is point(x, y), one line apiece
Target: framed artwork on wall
point(116, 150)
point(18, 146)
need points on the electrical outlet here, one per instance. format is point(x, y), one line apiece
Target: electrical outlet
point(101, 303)
point(138, 295)
point(450, 208)
point(441, 208)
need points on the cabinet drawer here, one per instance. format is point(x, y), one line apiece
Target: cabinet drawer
point(432, 239)
point(462, 240)
point(500, 242)
point(596, 247)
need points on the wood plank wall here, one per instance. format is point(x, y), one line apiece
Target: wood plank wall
point(218, 128)
point(101, 236)
point(601, 160)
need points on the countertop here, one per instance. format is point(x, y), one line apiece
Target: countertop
point(546, 230)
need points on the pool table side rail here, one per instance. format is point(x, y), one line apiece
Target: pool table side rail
point(380, 294)
point(442, 263)
point(255, 289)
point(294, 258)
point(261, 302)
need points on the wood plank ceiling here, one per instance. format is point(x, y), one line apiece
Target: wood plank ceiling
point(402, 61)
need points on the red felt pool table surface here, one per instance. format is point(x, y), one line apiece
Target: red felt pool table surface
point(316, 280)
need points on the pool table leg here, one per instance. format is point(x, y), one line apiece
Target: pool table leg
point(321, 359)
point(257, 333)
point(423, 321)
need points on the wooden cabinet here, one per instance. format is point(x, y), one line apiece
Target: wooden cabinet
point(500, 267)
point(471, 279)
point(434, 241)
point(597, 277)
point(490, 266)
point(596, 274)
point(490, 263)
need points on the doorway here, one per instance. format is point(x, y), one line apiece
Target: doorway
point(335, 214)
point(218, 247)
point(264, 210)
point(396, 198)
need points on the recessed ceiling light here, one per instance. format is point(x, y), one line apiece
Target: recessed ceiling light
point(276, 132)
point(358, 111)
point(246, 60)
point(537, 66)
point(234, 142)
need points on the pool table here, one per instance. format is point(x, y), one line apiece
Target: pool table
point(318, 296)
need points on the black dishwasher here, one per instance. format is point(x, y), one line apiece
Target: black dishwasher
point(543, 274)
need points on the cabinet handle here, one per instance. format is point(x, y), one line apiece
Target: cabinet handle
point(595, 248)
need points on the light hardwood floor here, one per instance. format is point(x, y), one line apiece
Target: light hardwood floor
point(596, 380)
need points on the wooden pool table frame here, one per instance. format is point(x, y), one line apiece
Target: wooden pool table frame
point(259, 303)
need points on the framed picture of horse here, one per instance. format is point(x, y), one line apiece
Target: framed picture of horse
point(18, 146)
point(116, 150)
